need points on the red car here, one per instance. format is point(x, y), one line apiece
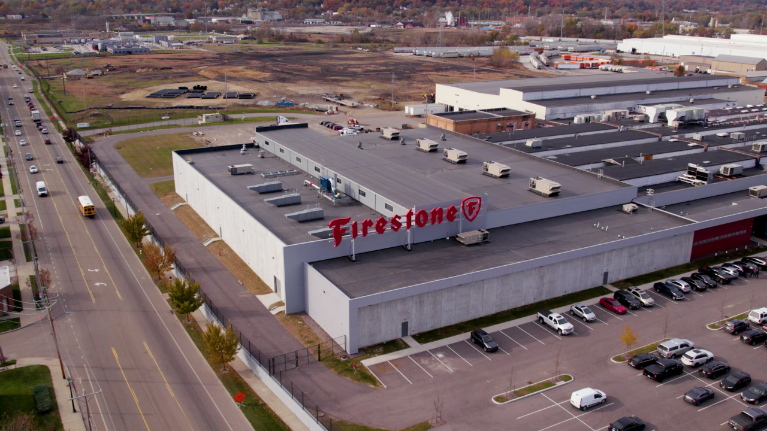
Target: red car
point(612, 305)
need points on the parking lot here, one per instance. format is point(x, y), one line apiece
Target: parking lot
point(533, 352)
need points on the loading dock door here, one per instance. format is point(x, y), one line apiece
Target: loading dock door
point(404, 329)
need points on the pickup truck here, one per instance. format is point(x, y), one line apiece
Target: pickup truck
point(663, 368)
point(749, 419)
point(556, 321)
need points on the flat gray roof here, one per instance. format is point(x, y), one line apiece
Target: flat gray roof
point(410, 178)
point(583, 141)
point(394, 268)
point(464, 115)
point(717, 206)
point(738, 59)
point(628, 151)
point(673, 164)
point(639, 98)
point(542, 132)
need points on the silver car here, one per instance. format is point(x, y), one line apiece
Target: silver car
point(679, 284)
point(642, 296)
point(583, 312)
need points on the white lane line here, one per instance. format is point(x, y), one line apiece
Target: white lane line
point(546, 327)
point(530, 335)
point(540, 410)
point(513, 340)
point(616, 316)
point(568, 411)
point(435, 357)
point(419, 366)
point(579, 322)
point(507, 353)
point(675, 378)
point(477, 349)
point(575, 417)
point(464, 360)
point(400, 372)
point(718, 402)
point(374, 375)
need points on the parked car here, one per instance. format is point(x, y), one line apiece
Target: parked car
point(583, 312)
point(735, 381)
point(714, 369)
point(556, 321)
point(753, 336)
point(758, 261)
point(750, 419)
point(613, 305)
point(698, 285)
point(732, 269)
point(628, 423)
point(663, 368)
point(698, 395)
point(587, 397)
point(642, 360)
point(695, 357)
point(736, 326)
point(718, 275)
point(627, 300)
point(668, 290)
point(679, 284)
point(755, 394)
point(642, 296)
point(33, 169)
point(674, 347)
point(751, 266)
point(745, 269)
point(10, 103)
point(479, 336)
point(337, 127)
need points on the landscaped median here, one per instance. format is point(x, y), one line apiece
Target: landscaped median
point(531, 389)
point(719, 324)
point(623, 357)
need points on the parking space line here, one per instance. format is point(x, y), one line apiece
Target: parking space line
point(464, 360)
point(575, 417)
point(435, 357)
point(419, 366)
point(507, 353)
point(568, 411)
point(616, 316)
point(575, 320)
point(513, 340)
point(400, 372)
point(545, 327)
point(540, 410)
point(602, 321)
point(480, 352)
point(675, 378)
point(530, 335)
point(660, 296)
point(718, 402)
point(374, 375)
point(629, 312)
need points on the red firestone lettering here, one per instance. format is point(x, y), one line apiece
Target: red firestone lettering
point(355, 232)
point(409, 219)
point(381, 225)
point(365, 225)
point(421, 218)
point(338, 231)
point(451, 213)
point(436, 215)
point(395, 223)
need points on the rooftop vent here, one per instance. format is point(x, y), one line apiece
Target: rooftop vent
point(243, 169)
point(473, 237)
point(544, 187)
point(630, 208)
point(593, 96)
point(495, 169)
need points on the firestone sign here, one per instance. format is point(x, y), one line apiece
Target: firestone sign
point(469, 207)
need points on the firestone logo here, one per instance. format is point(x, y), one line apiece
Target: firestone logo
point(469, 207)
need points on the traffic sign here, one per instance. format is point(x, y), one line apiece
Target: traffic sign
point(239, 398)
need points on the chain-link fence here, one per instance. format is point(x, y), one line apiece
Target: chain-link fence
point(308, 355)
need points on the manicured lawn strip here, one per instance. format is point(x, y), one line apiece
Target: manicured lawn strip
point(514, 313)
point(644, 349)
point(150, 156)
point(3, 205)
point(35, 289)
point(673, 271)
point(10, 324)
point(721, 323)
point(6, 250)
point(163, 188)
point(533, 388)
point(143, 127)
point(16, 393)
point(17, 203)
point(14, 188)
point(5, 231)
point(104, 196)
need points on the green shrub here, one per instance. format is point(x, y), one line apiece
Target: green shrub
point(43, 398)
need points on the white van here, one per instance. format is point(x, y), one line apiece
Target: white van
point(758, 316)
point(674, 347)
point(587, 397)
point(41, 189)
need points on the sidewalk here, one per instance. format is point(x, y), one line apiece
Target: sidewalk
point(271, 400)
point(499, 327)
point(71, 421)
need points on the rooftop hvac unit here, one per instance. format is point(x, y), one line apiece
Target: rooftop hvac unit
point(630, 208)
point(731, 170)
point(757, 192)
point(454, 156)
point(738, 136)
point(696, 175)
point(579, 120)
point(697, 137)
point(722, 134)
point(243, 169)
point(389, 133)
point(544, 187)
point(426, 145)
point(473, 237)
point(593, 96)
point(534, 143)
point(759, 147)
point(495, 169)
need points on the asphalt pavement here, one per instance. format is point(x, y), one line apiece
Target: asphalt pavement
point(117, 335)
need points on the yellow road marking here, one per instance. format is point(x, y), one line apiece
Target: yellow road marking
point(135, 398)
point(168, 386)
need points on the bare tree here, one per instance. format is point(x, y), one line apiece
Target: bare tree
point(44, 277)
point(721, 310)
point(557, 362)
point(438, 406)
point(511, 381)
point(665, 326)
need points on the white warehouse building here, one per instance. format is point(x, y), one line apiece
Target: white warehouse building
point(746, 45)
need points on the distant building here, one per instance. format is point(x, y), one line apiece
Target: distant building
point(13, 16)
point(222, 39)
point(736, 63)
point(314, 21)
point(127, 50)
point(58, 37)
point(487, 121)
point(262, 15)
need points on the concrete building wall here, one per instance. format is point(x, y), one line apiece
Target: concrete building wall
point(326, 304)
point(383, 321)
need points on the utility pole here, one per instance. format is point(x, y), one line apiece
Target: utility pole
point(562, 28)
point(392, 89)
point(87, 407)
point(55, 340)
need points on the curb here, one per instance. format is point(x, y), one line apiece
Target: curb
point(619, 354)
point(556, 385)
point(722, 321)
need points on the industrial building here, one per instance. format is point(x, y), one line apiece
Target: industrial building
point(487, 121)
point(368, 235)
point(598, 93)
point(735, 63)
point(746, 45)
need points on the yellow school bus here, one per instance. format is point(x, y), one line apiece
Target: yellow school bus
point(86, 206)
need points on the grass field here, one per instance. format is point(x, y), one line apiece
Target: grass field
point(147, 127)
point(16, 394)
point(163, 188)
point(10, 324)
point(505, 316)
point(6, 250)
point(150, 156)
point(5, 232)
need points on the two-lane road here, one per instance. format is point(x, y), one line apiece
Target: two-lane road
point(119, 336)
